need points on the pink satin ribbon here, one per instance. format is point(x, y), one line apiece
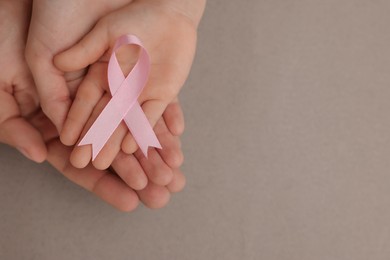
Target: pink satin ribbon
point(124, 105)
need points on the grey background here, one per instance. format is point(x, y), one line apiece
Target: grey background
point(287, 149)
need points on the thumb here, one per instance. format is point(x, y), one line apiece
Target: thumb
point(87, 51)
point(18, 133)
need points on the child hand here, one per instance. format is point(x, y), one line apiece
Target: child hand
point(170, 38)
point(127, 186)
point(161, 166)
point(47, 36)
point(56, 25)
point(23, 125)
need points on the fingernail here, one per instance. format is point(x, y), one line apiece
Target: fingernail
point(24, 152)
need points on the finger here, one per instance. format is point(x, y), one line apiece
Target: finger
point(81, 155)
point(161, 89)
point(129, 145)
point(171, 152)
point(88, 95)
point(111, 148)
point(27, 100)
point(154, 196)
point(178, 182)
point(130, 171)
point(85, 52)
point(44, 126)
point(18, 133)
point(155, 168)
point(174, 118)
point(51, 86)
point(153, 110)
point(105, 185)
point(73, 80)
point(25, 94)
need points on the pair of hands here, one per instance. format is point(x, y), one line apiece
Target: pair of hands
point(58, 25)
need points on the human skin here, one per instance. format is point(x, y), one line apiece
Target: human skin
point(18, 98)
point(113, 188)
point(24, 126)
point(55, 25)
point(169, 34)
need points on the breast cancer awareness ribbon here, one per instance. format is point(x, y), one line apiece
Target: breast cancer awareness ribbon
point(124, 105)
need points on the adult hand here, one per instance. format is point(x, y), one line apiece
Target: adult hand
point(113, 187)
point(23, 125)
point(19, 107)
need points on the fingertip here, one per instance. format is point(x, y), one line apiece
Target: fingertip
point(66, 61)
point(130, 171)
point(36, 150)
point(139, 184)
point(174, 158)
point(156, 169)
point(177, 129)
point(128, 205)
point(163, 177)
point(81, 156)
point(129, 146)
point(60, 61)
point(69, 134)
point(154, 196)
point(105, 158)
point(66, 139)
point(174, 118)
point(111, 149)
point(101, 163)
point(111, 189)
point(19, 133)
point(37, 154)
point(171, 151)
point(160, 176)
point(178, 183)
point(175, 125)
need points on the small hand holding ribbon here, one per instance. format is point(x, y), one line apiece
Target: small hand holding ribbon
point(124, 105)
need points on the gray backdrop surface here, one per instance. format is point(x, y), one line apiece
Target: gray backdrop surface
point(287, 149)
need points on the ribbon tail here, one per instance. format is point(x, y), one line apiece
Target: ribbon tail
point(96, 146)
point(103, 127)
point(141, 129)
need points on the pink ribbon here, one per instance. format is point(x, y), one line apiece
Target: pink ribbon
point(124, 105)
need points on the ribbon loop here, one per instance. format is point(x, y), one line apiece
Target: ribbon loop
point(124, 105)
